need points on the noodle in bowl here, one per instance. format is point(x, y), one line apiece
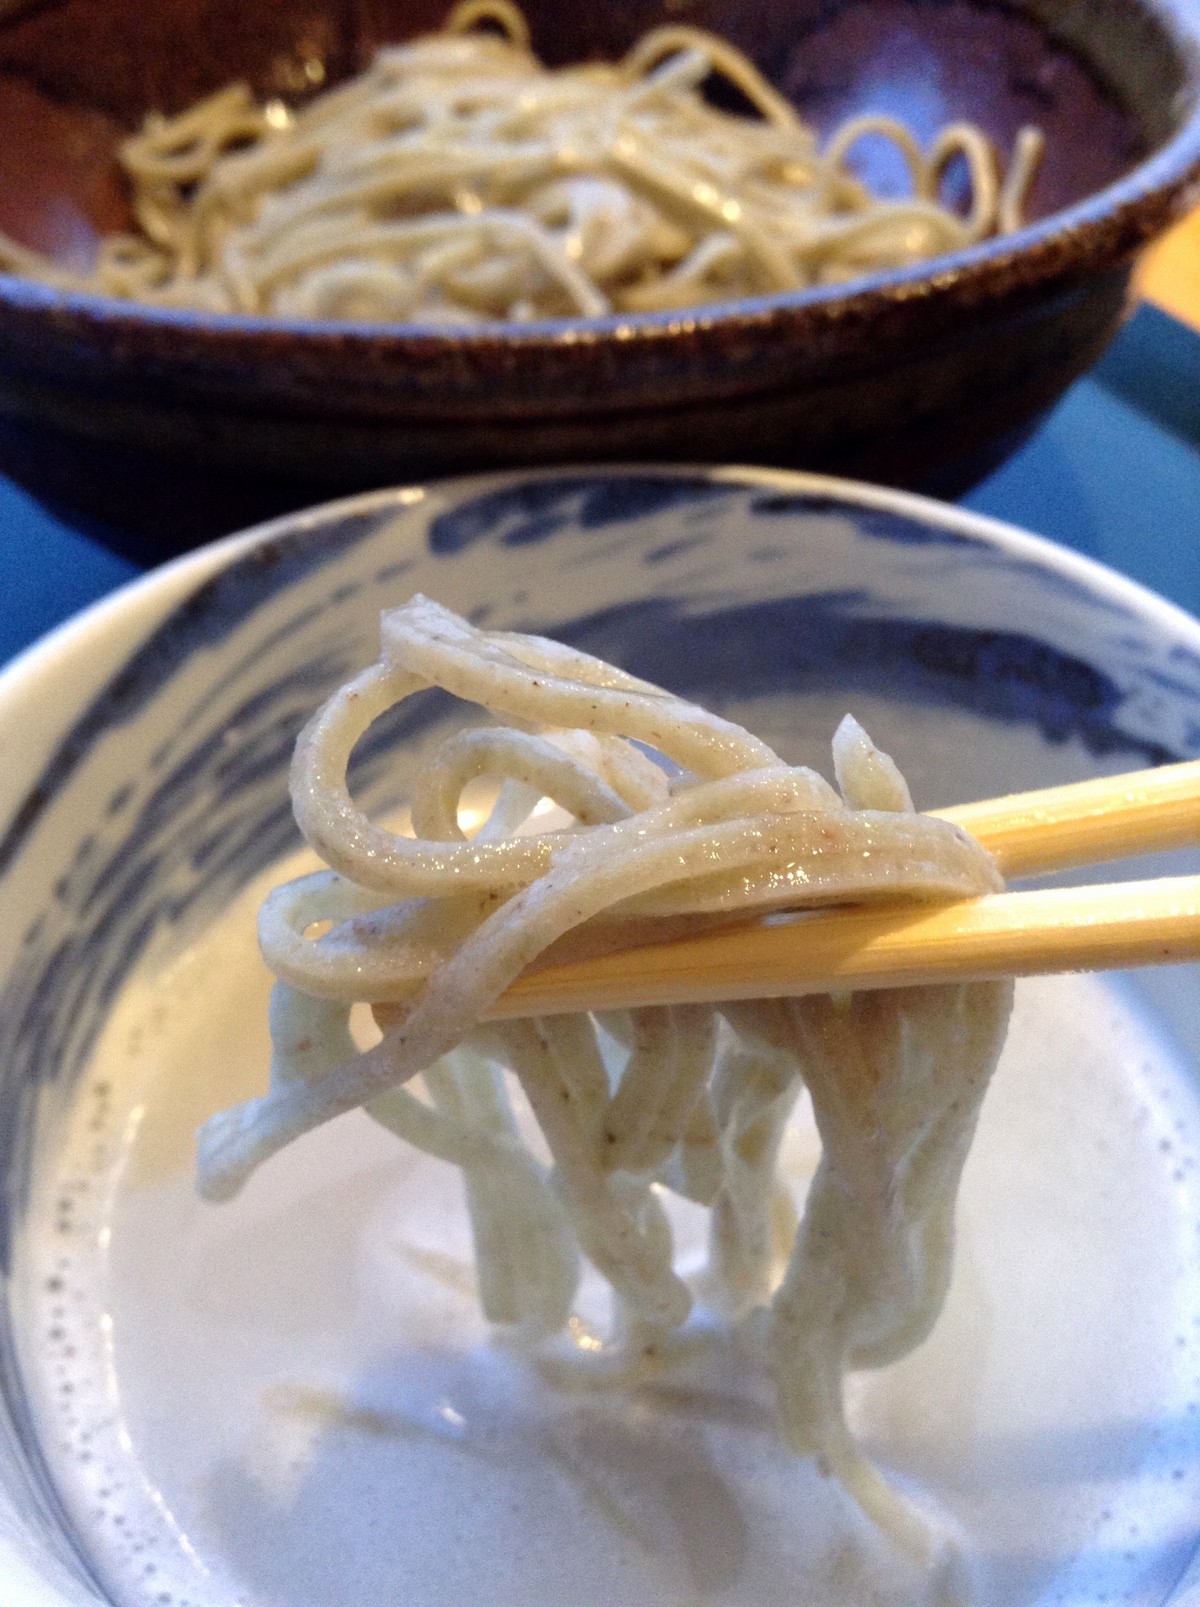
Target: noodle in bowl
point(292, 1367)
point(445, 358)
point(458, 180)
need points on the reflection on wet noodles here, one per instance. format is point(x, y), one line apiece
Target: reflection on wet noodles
point(674, 818)
point(459, 180)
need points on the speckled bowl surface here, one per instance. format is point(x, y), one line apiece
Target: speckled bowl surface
point(146, 751)
point(178, 425)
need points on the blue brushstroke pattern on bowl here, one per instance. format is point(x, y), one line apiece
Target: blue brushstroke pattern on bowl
point(992, 658)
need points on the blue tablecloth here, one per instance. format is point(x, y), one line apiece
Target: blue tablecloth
point(1113, 472)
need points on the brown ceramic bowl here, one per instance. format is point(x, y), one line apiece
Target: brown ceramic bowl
point(172, 425)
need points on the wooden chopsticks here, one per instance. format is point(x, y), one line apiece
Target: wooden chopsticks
point(1087, 822)
point(1004, 934)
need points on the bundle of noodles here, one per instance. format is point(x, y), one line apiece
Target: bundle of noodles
point(457, 179)
point(432, 928)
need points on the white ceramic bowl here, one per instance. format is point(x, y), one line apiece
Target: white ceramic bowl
point(144, 785)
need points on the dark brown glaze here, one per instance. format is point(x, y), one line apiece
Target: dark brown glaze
point(922, 376)
point(59, 186)
point(935, 64)
point(125, 59)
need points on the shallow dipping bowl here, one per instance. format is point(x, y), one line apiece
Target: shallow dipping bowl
point(147, 747)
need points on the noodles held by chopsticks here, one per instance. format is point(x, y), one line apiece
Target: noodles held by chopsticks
point(638, 1104)
point(457, 180)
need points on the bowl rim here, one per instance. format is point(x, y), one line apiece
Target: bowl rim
point(1102, 229)
point(146, 599)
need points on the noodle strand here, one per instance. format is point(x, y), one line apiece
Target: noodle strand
point(649, 816)
point(458, 181)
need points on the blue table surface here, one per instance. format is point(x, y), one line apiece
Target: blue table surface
point(1113, 472)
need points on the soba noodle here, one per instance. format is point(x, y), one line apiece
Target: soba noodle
point(674, 817)
point(458, 180)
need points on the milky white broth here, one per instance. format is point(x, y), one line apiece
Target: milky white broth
point(291, 1400)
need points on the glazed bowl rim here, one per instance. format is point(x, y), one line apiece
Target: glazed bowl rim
point(156, 591)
